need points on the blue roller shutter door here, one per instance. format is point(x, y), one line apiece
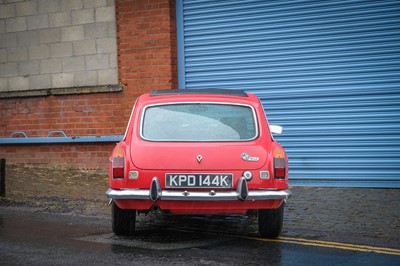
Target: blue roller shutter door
point(328, 71)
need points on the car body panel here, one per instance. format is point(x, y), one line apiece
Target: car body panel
point(183, 156)
point(152, 159)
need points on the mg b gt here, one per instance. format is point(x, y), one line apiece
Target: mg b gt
point(200, 152)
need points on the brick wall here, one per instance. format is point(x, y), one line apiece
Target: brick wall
point(146, 33)
point(82, 156)
point(146, 44)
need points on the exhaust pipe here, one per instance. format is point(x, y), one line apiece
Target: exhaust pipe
point(155, 208)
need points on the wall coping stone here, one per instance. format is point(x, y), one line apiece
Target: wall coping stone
point(61, 91)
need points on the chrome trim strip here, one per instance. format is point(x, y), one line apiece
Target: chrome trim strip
point(144, 194)
point(49, 140)
point(130, 118)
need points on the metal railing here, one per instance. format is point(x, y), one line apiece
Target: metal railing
point(20, 137)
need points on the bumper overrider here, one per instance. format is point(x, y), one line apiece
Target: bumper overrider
point(156, 193)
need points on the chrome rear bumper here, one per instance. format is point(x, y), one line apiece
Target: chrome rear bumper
point(156, 193)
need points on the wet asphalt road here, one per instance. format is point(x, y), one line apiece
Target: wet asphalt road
point(37, 238)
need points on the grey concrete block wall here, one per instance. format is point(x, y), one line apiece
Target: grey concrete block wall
point(50, 66)
point(41, 51)
point(57, 44)
point(26, 8)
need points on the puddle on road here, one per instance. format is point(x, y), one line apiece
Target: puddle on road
point(160, 239)
point(170, 232)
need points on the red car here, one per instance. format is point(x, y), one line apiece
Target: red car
point(199, 152)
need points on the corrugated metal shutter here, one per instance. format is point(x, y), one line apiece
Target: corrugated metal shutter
point(327, 71)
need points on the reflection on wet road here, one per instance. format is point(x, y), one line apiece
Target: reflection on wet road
point(42, 238)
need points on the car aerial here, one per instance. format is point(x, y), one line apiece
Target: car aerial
point(199, 152)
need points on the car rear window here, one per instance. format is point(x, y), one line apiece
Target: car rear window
point(198, 122)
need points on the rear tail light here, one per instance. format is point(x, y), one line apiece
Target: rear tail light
point(279, 164)
point(279, 168)
point(118, 164)
point(118, 167)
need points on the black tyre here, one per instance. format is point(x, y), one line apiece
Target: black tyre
point(123, 221)
point(270, 222)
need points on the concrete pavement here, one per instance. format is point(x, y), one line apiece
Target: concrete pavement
point(350, 215)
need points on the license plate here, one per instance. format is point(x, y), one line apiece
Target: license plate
point(199, 180)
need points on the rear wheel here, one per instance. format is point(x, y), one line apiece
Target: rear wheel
point(270, 222)
point(123, 221)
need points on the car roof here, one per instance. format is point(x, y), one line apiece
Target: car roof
point(199, 91)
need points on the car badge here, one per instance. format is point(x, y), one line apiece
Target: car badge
point(248, 158)
point(199, 158)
